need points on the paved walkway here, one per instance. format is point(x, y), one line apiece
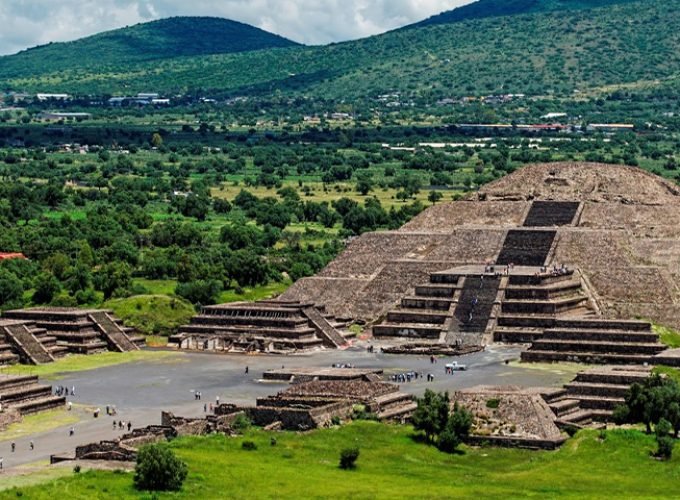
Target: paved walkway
point(141, 390)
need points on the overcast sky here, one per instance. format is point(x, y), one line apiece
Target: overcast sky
point(26, 23)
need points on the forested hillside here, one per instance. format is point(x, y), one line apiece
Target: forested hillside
point(539, 54)
point(495, 8)
point(164, 39)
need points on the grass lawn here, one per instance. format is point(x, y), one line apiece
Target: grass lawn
point(258, 293)
point(152, 314)
point(81, 362)
point(42, 422)
point(668, 336)
point(670, 372)
point(157, 287)
point(392, 465)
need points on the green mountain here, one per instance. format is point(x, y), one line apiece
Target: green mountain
point(495, 8)
point(634, 44)
point(153, 41)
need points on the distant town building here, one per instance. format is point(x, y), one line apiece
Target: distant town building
point(52, 97)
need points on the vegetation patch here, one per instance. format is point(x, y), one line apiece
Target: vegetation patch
point(392, 465)
point(152, 314)
point(668, 336)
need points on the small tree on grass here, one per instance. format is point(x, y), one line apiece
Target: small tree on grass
point(457, 428)
point(432, 414)
point(348, 458)
point(158, 469)
point(664, 441)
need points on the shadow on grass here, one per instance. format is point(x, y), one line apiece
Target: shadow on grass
point(419, 438)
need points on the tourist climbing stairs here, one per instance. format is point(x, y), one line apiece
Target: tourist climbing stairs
point(476, 302)
point(28, 347)
point(115, 336)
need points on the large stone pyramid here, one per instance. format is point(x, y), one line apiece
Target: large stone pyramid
point(617, 228)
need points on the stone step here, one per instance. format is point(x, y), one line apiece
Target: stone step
point(398, 411)
point(517, 335)
point(7, 383)
point(564, 406)
point(597, 346)
point(553, 395)
point(437, 304)
point(608, 403)
point(8, 358)
point(416, 316)
point(444, 278)
point(534, 306)
point(432, 290)
point(600, 335)
point(612, 377)
point(392, 397)
point(547, 278)
point(42, 404)
point(32, 391)
point(306, 332)
point(411, 330)
point(584, 357)
point(603, 324)
point(580, 418)
point(524, 320)
point(590, 389)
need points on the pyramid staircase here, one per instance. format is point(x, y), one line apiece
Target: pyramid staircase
point(265, 326)
point(115, 336)
point(594, 394)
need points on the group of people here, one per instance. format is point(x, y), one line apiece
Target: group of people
point(406, 377)
point(122, 425)
point(60, 390)
point(343, 365)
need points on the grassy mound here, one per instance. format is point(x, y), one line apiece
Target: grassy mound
point(392, 465)
point(668, 336)
point(152, 314)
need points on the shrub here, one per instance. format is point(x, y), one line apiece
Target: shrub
point(664, 441)
point(76, 469)
point(348, 458)
point(493, 403)
point(249, 445)
point(158, 469)
point(457, 428)
point(335, 420)
point(241, 423)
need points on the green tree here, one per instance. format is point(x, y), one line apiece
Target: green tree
point(432, 414)
point(664, 441)
point(46, 287)
point(158, 469)
point(156, 140)
point(114, 278)
point(456, 430)
point(11, 290)
point(434, 196)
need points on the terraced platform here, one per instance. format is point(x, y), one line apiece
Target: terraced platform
point(594, 394)
point(25, 395)
point(265, 326)
point(42, 334)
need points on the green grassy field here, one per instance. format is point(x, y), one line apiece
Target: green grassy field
point(79, 363)
point(392, 465)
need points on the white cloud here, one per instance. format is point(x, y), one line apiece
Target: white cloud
point(26, 23)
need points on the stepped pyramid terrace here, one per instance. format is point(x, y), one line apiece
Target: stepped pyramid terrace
point(42, 334)
point(574, 259)
point(264, 326)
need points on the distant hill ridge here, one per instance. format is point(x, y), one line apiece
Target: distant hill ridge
point(496, 8)
point(536, 53)
point(162, 39)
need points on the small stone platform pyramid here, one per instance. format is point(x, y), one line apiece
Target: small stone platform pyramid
point(264, 326)
point(39, 335)
point(23, 394)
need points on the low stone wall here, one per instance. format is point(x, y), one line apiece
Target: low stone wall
point(106, 450)
point(515, 442)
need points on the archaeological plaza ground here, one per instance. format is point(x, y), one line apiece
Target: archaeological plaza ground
point(544, 292)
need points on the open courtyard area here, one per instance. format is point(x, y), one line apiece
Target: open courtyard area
point(140, 391)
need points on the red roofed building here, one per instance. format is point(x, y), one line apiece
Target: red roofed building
point(7, 256)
